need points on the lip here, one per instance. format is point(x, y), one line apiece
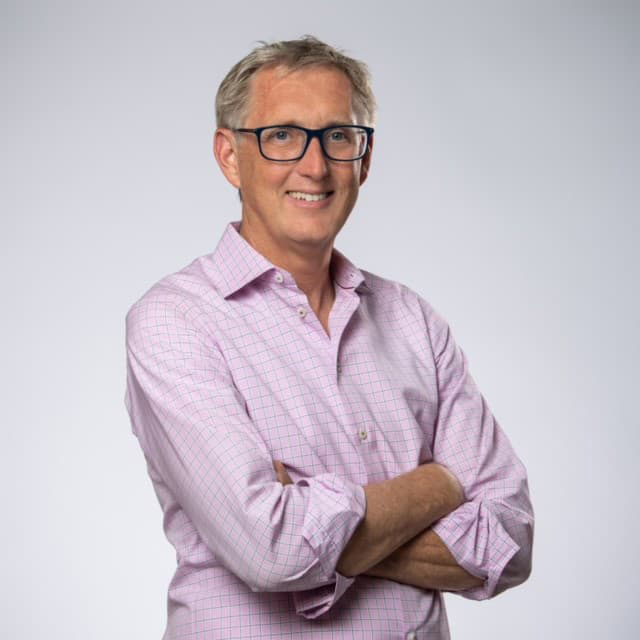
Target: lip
point(305, 204)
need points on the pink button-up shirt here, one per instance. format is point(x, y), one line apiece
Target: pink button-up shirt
point(229, 369)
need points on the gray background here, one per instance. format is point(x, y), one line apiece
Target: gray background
point(502, 190)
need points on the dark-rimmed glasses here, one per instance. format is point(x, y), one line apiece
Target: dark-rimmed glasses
point(284, 143)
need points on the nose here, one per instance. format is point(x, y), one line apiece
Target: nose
point(313, 163)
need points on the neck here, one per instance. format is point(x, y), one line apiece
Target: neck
point(310, 268)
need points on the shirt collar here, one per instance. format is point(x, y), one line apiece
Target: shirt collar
point(345, 274)
point(238, 264)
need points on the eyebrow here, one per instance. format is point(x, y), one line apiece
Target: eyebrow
point(294, 123)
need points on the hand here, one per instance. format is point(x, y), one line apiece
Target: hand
point(425, 562)
point(283, 477)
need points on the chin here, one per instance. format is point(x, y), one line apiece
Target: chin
point(311, 240)
point(313, 234)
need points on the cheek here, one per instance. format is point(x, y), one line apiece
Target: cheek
point(257, 174)
point(350, 184)
point(351, 176)
point(272, 177)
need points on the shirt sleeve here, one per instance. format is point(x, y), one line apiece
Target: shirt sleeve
point(192, 423)
point(491, 534)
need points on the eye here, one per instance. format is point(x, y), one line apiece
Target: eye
point(340, 136)
point(278, 134)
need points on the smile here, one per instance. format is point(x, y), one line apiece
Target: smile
point(309, 197)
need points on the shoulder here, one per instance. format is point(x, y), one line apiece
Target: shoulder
point(179, 301)
point(399, 304)
point(396, 296)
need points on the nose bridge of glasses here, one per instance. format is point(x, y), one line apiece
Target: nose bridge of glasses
point(319, 135)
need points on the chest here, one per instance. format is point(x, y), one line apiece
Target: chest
point(361, 402)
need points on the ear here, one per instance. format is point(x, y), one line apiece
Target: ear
point(225, 149)
point(366, 162)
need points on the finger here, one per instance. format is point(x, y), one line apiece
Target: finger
point(283, 476)
point(277, 465)
point(281, 472)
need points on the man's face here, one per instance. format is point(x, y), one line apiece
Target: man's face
point(276, 215)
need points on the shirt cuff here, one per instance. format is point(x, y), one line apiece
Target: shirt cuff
point(480, 545)
point(336, 508)
point(314, 602)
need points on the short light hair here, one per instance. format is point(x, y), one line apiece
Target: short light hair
point(232, 99)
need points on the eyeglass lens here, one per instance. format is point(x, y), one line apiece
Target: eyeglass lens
point(288, 143)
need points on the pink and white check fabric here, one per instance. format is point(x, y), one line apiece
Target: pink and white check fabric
point(229, 369)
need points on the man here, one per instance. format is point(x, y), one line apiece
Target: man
point(325, 463)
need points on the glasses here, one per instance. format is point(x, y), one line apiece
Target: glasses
point(284, 143)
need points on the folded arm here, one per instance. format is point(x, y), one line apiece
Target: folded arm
point(393, 540)
point(424, 561)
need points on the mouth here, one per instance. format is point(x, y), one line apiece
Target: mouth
point(309, 197)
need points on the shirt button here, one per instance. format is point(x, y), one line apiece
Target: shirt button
point(411, 635)
point(363, 434)
point(302, 312)
point(279, 277)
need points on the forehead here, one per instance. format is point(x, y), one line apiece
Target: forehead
point(311, 96)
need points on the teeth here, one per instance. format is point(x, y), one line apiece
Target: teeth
point(309, 197)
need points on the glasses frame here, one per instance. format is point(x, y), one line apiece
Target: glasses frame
point(311, 134)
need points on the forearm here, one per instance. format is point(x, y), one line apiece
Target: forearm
point(425, 562)
point(397, 511)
